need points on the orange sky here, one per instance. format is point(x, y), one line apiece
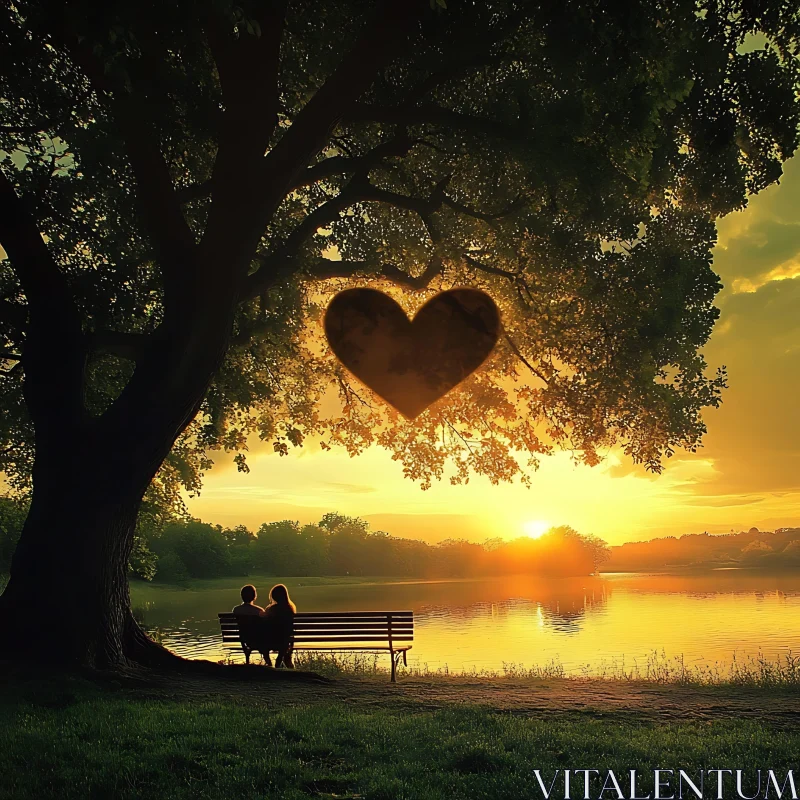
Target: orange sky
point(748, 472)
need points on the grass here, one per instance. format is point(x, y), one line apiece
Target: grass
point(71, 739)
point(756, 671)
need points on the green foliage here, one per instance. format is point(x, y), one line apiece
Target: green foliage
point(161, 506)
point(12, 518)
point(201, 548)
point(570, 159)
point(170, 568)
point(143, 562)
point(283, 548)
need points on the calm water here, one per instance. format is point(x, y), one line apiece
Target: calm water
point(484, 624)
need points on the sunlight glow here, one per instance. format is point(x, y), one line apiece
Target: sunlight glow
point(536, 527)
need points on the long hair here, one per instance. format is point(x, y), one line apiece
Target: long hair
point(279, 596)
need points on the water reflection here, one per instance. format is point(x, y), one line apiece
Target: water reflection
point(468, 624)
point(561, 604)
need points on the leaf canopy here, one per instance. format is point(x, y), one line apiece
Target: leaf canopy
point(568, 158)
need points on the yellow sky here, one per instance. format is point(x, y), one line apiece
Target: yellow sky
point(748, 472)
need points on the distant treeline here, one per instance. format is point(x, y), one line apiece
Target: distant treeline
point(336, 545)
point(340, 545)
point(754, 548)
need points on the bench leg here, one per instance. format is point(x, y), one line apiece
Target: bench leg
point(246, 655)
point(395, 661)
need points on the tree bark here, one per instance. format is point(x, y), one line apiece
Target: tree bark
point(67, 600)
point(67, 603)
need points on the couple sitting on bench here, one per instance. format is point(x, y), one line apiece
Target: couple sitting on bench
point(270, 628)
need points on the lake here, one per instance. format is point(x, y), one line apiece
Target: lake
point(585, 624)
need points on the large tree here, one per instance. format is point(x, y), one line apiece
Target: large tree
point(185, 184)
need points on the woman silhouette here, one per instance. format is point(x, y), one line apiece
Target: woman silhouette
point(279, 621)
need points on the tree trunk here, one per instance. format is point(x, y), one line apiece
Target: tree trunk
point(67, 599)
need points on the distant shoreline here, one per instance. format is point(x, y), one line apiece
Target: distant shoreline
point(263, 581)
point(680, 569)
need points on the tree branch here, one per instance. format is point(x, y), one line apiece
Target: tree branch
point(512, 276)
point(173, 240)
point(273, 267)
point(524, 360)
point(430, 114)
point(396, 147)
point(518, 204)
point(13, 314)
point(246, 334)
point(52, 318)
point(248, 67)
point(326, 269)
point(38, 273)
point(172, 237)
point(130, 346)
point(432, 270)
point(378, 43)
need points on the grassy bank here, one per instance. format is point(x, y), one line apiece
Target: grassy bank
point(657, 668)
point(71, 739)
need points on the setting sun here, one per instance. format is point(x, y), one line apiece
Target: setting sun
point(536, 527)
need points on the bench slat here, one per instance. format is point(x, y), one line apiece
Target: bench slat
point(325, 625)
point(370, 648)
point(302, 614)
point(328, 623)
point(383, 634)
point(306, 639)
point(309, 645)
point(338, 627)
point(340, 637)
point(229, 615)
point(310, 634)
point(324, 638)
point(321, 637)
point(354, 618)
point(367, 626)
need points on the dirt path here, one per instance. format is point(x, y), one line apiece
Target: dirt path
point(538, 698)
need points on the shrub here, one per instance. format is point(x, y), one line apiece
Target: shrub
point(171, 568)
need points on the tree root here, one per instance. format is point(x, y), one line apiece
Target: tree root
point(140, 656)
point(144, 653)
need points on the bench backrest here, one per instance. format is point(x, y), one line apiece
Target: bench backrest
point(331, 628)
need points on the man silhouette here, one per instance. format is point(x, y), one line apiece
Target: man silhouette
point(248, 606)
point(252, 627)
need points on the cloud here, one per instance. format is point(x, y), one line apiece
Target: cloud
point(348, 488)
point(762, 243)
point(753, 439)
point(723, 501)
point(752, 448)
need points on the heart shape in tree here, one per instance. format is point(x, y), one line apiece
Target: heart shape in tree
point(411, 364)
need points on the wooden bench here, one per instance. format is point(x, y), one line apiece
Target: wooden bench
point(340, 631)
